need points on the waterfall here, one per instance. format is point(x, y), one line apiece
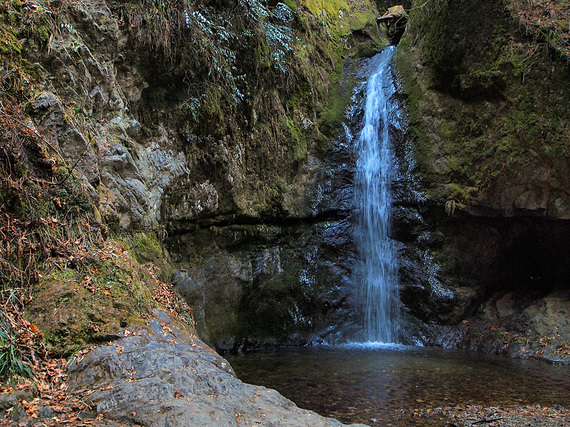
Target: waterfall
point(377, 272)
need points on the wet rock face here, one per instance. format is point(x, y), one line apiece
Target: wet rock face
point(493, 284)
point(284, 280)
point(485, 282)
point(457, 39)
point(161, 377)
point(268, 285)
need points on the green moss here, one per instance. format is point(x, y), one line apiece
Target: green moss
point(460, 193)
point(41, 34)
point(418, 97)
point(97, 299)
point(211, 105)
point(339, 98)
point(298, 139)
point(478, 119)
point(292, 4)
point(17, 23)
point(145, 247)
point(9, 44)
point(447, 129)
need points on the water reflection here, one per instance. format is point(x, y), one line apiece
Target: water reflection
point(363, 384)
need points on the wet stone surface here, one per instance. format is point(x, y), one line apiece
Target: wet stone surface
point(162, 378)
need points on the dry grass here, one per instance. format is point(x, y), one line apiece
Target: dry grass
point(549, 19)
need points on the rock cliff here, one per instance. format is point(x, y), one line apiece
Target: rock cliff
point(207, 126)
point(201, 143)
point(150, 142)
point(486, 96)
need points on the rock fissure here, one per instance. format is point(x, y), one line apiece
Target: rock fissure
point(182, 227)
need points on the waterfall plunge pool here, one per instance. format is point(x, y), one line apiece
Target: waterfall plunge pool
point(391, 384)
point(380, 385)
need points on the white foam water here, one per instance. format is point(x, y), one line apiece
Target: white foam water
point(377, 271)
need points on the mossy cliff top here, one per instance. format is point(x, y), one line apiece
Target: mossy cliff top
point(487, 105)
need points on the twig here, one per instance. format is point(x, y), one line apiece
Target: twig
point(485, 420)
point(419, 7)
point(74, 166)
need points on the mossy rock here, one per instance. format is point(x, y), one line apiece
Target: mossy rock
point(486, 112)
point(71, 317)
point(92, 303)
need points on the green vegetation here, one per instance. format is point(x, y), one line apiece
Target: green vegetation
point(13, 364)
point(298, 139)
point(294, 46)
point(484, 106)
point(20, 20)
point(104, 293)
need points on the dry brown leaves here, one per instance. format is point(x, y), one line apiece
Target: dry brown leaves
point(50, 391)
point(509, 416)
point(550, 18)
point(165, 295)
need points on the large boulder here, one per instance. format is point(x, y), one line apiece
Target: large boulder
point(161, 376)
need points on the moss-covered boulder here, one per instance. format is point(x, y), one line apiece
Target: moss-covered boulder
point(93, 303)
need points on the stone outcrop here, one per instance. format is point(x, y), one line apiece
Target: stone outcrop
point(214, 135)
point(209, 131)
point(286, 280)
point(161, 376)
point(394, 20)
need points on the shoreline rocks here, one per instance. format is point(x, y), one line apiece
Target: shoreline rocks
point(161, 377)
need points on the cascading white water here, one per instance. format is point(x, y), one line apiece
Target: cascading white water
point(377, 272)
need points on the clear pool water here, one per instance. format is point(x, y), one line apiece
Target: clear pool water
point(383, 385)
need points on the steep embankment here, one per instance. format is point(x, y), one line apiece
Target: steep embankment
point(142, 139)
point(486, 87)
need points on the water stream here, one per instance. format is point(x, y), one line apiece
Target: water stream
point(377, 271)
point(386, 384)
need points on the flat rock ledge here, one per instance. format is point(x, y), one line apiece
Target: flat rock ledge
point(160, 376)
